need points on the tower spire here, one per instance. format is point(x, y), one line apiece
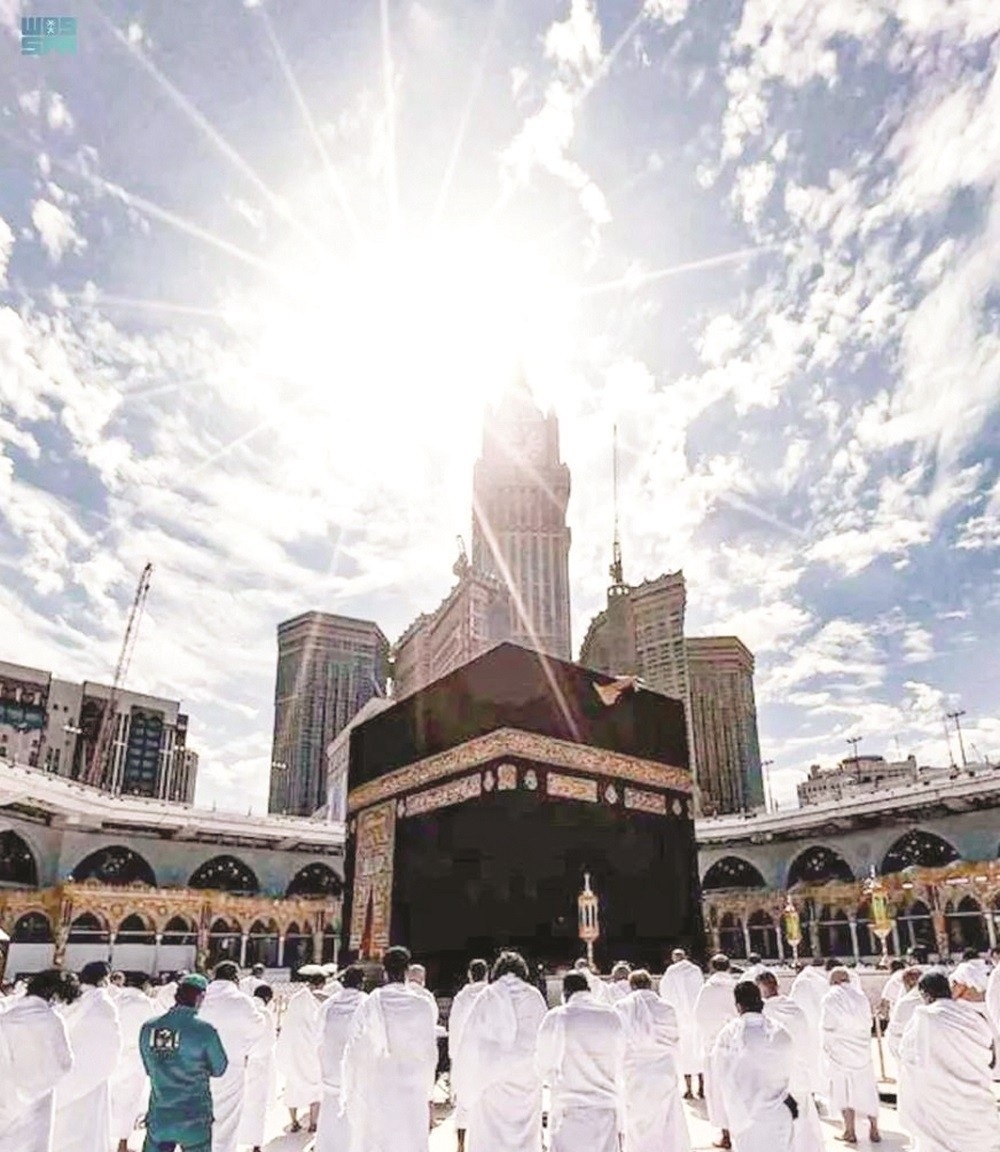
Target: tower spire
point(615, 571)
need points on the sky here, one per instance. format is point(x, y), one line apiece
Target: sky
point(264, 265)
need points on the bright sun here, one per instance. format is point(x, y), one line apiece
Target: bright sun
point(412, 328)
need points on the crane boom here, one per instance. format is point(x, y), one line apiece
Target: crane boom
point(96, 774)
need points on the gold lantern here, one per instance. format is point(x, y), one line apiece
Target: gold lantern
point(588, 912)
point(793, 927)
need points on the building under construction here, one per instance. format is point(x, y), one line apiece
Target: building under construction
point(55, 724)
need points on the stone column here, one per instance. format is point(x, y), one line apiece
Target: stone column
point(111, 945)
point(157, 945)
point(853, 926)
point(781, 942)
point(59, 953)
point(897, 948)
point(243, 950)
point(991, 928)
point(281, 950)
point(746, 935)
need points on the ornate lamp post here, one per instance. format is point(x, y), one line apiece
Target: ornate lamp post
point(793, 928)
point(589, 917)
point(881, 925)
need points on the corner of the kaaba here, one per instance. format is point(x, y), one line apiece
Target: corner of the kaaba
point(477, 805)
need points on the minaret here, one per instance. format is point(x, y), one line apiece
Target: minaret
point(519, 532)
point(616, 572)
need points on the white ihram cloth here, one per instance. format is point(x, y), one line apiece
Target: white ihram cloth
point(461, 1006)
point(752, 1061)
point(654, 1115)
point(260, 1087)
point(240, 1022)
point(973, 974)
point(899, 1018)
point(298, 1049)
point(581, 1056)
point(946, 1051)
point(846, 1026)
point(129, 1084)
point(993, 997)
point(166, 995)
point(250, 984)
point(714, 1008)
point(336, 1018)
point(83, 1098)
point(679, 987)
point(388, 1072)
point(497, 1079)
point(808, 990)
point(616, 991)
point(893, 988)
point(807, 1133)
point(35, 1055)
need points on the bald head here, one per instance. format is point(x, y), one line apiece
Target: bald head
point(839, 976)
point(678, 955)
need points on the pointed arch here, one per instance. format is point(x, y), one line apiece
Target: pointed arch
point(763, 935)
point(115, 866)
point(18, 868)
point(918, 848)
point(32, 928)
point(225, 874)
point(315, 880)
point(731, 938)
point(89, 928)
point(732, 872)
point(179, 931)
point(818, 864)
point(135, 929)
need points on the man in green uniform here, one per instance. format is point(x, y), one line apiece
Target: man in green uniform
point(180, 1054)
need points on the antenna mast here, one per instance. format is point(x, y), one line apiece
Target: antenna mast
point(616, 571)
point(97, 772)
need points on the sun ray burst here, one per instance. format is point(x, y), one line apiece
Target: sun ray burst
point(389, 103)
point(632, 280)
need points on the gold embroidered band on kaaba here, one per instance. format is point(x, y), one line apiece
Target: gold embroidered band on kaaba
point(541, 750)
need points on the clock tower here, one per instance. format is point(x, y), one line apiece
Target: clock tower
point(519, 533)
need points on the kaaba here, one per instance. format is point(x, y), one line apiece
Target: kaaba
point(477, 805)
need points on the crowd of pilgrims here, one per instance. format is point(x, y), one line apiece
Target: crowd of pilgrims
point(85, 1061)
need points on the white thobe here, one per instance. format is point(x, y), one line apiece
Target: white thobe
point(260, 1089)
point(752, 1061)
point(388, 1073)
point(239, 1020)
point(949, 1107)
point(846, 1026)
point(973, 974)
point(298, 1049)
point(714, 1008)
point(497, 1079)
point(808, 990)
point(807, 1133)
point(35, 1056)
point(336, 1018)
point(129, 1084)
point(461, 1006)
point(654, 1115)
point(83, 1098)
point(581, 1056)
point(250, 984)
point(899, 1017)
point(679, 987)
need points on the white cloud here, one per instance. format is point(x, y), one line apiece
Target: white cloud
point(58, 115)
point(56, 230)
point(918, 644)
point(576, 41)
point(135, 34)
point(30, 102)
point(667, 11)
point(6, 247)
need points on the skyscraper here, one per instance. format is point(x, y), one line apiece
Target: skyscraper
point(724, 723)
point(328, 667)
point(519, 531)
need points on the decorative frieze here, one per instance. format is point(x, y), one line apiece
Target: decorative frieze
point(543, 750)
point(571, 787)
point(641, 801)
point(454, 792)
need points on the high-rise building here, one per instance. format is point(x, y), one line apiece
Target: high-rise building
point(53, 724)
point(641, 633)
point(473, 617)
point(328, 668)
point(724, 724)
point(519, 531)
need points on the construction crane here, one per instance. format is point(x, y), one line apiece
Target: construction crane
point(96, 773)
